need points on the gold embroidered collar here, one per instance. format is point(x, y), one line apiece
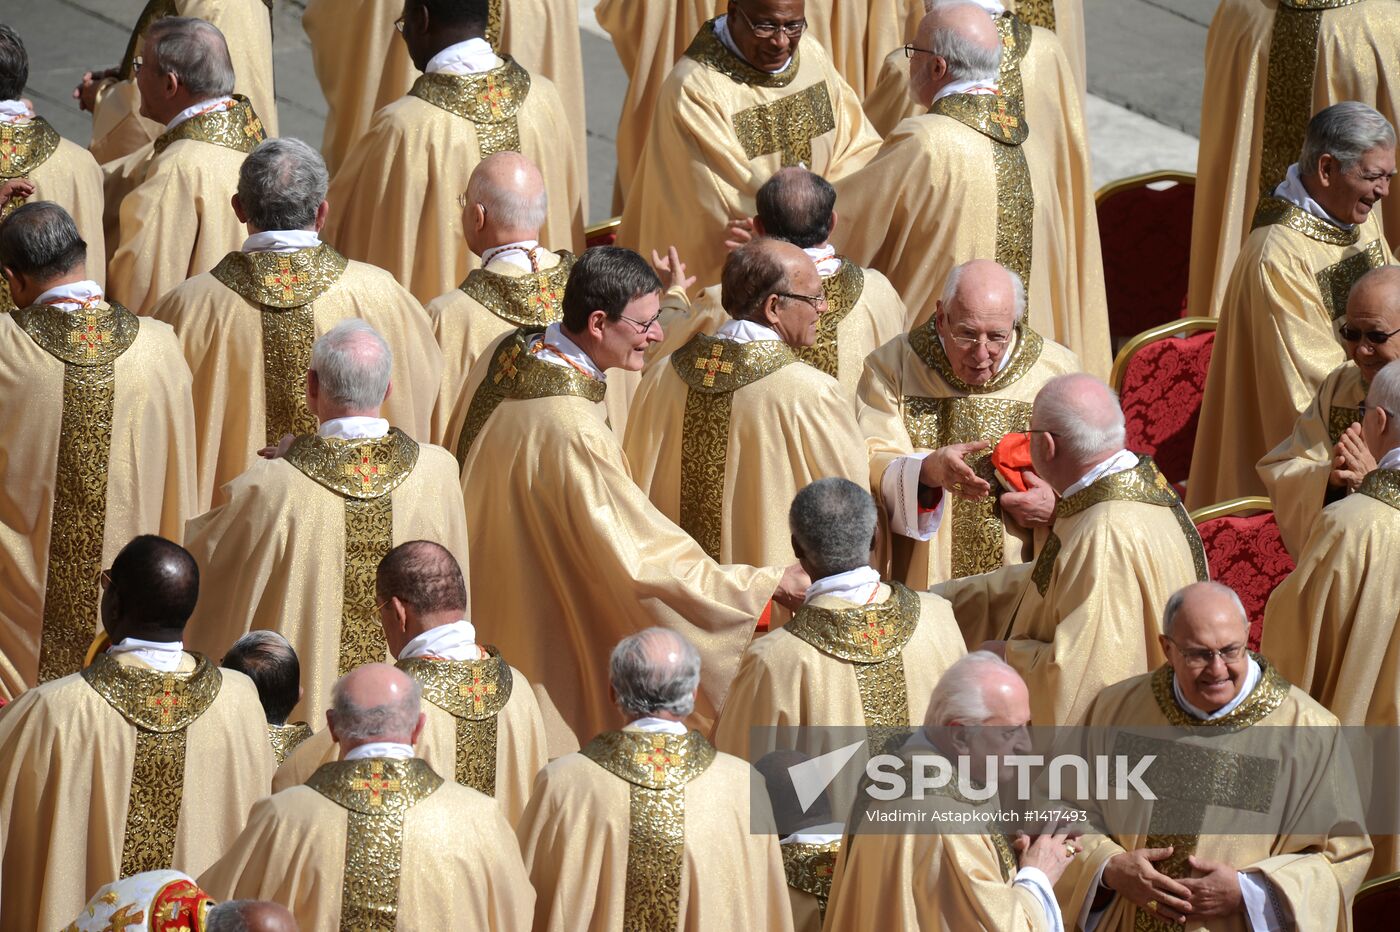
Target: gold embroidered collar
point(237, 128)
point(92, 336)
point(488, 97)
point(1143, 483)
point(362, 469)
point(1277, 211)
point(863, 634)
point(286, 738)
point(25, 146)
point(518, 373)
point(153, 700)
point(535, 299)
point(842, 291)
point(1267, 696)
point(376, 786)
point(707, 49)
point(472, 689)
point(1383, 485)
point(809, 867)
point(993, 115)
point(926, 345)
point(714, 366)
point(651, 760)
point(1306, 5)
point(281, 279)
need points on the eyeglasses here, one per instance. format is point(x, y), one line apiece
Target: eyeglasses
point(909, 51)
point(818, 301)
point(995, 342)
point(1374, 337)
point(398, 24)
point(1201, 657)
point(792, 30)
point(642, 325)
point(462, 202)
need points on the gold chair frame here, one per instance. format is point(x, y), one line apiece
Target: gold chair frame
point(1141, 181)
point(1161, 332)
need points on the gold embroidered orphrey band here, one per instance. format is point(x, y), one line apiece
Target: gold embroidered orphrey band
point(1334, 282)
point(287, 738)
point(535, 299)
point(707, 49)
point(1383, 485)
point(491, 101)
point(237, 128)
point(1015, 35)
point(283, 286)
point(657, 768)
point(161, 707)
point(712, 370)
point(842, 291)
point(88, 343)
point(809, 868)
point(1037, 13)
point(786, 126)
point(364, 473)
point(473, 692)
point(376, 793)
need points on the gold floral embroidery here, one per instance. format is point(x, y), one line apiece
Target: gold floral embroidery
point(490, 100)
point(1044, 567)
point(532, 300)
point(495, 19)
point(286, 738)
point(24, 147)
point(1015, 44)
point(787, 125)
point(237, 128)
point(708, 50)
point(1037, 13)
point(993, 115)
point(1335, 281)
point(1383, 485)
point(842, 291)
point(1277, 211)
point(360, 469)
point(281, 279)
point(473, 692)
point(809, 868)
point(1339, 418)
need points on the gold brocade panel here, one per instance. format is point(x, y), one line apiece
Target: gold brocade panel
point(287, 336)
point(786, 126)
point(1335, 281)
point(1037, 13)
point(842, 291)
point(1383, 485)
point(490, 100)
point(474, 693)
point(1276, 210)
point(495, 19)
point(237, 128)
point(1044, 567)
point(1339, 418)
point(1015, 210)
point(369, 535)
point(707, 49)
point(534, 300)
point(809, 868)
point(287, 738)
point(23, 148)
point(1015, 35)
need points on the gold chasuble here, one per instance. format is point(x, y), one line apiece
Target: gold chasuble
point(122, 769)
point(379, 844)
point(912, 401)
point(721, 129)
point(597, 561)
point(725, 436)
point(1087, 612)
point(409, 222)
point(1295, 472)
point(1312, 873)
point(247, 328)
point(644, 831)
point(976, 181)
point(178, 222)
point(118, 129)
point(97, 429)
point(1276, 342)
point(339, 506)
point(1271, 65)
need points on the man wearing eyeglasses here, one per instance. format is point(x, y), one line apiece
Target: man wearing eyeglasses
point(1277, 340)
point(1326, 457)
point(743, 102)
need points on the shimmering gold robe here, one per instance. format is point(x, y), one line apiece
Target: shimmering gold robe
point(575, 552)
point(721, 129)
point(912, 401)
point(338, 506)
point(408, 221)
point(98, 437)
point(379, 843)
point(1065, 18)
point(178, 221)
point(246, 329)
point(121, 769)
point(651, 831)
point(1276, 342)
point(1295, 472)
point(1254, 115)
point(1087, 612)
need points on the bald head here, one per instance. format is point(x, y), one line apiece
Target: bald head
point(250, 916)
point(375, 702)
point(419, 586)
point(1078, 424)
point(962, 45)
point(1373, 307)
point(978, 689)
point(1204, 632)
point(506, 202)
point(655, 672)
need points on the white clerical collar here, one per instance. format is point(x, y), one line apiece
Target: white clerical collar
point(204, 106)
point(1251, 679)
point(858, 585)
point(746, 331)
point(1291, 189)
point(825, 834)
point(657, 726)
point(455, 641)
point(281, 241)
point(353, 428)
point(15, 111)
point(964, 87)
point(389, 749)
point(1391, 460)
point(470, 57)
point(722, 30)
point(165, 656)
point(73, 296)
point(824, 258)
point(1122, 461)
point(1006, 354)
point(516, 254)
point(555, 348)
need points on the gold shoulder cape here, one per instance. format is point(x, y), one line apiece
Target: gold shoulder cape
point(532, 300)
point(237, 128)
point(281, 279)
point(1029, 344)
point(1276, 210)
point(473, 692)
point(160, 706)
point(842, 290)
point(287, 738)
point(24, 147)
point(1267, 696)
point(707, 49)
point(491, 99)
point(1383, 485)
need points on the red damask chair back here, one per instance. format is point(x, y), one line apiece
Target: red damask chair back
point(1160, 377)
point(1245, 552)
point(602, 234)
point(1376, 905)
point(1145, 235)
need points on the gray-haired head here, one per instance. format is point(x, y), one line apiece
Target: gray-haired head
point(1384, 394)
point(352, 365)
point(282, 184)
point(955, 32)
point(833, 523)
point(250, 916)
point(511, 190)
point(1208, 589)
point(14, 64)
point(194, 51)
point(269, 660)
point(655, 670)
point(1083, 414)
point(960, 698)
point(954, 283)
point(375, 702)
point(41, 241)
point(1346, 131)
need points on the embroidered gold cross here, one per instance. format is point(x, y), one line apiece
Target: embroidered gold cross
point(874, 631)
point(477, 691)
point(505, 364)
point(90, 337)
point(713, 366)
point(166, 700)
point(10, 150)
point(1004, 120)
point(285, 277)
point(124, 917)
point(657, 758)
point(364, 470)
point(494, 96)
point(376, 784)
point(253, 129)
point(548, 296)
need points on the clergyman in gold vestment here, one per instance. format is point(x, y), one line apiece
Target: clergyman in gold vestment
point(1277, 339)
point(378, 839)
point(148, 759)
point(270, 661)
point(294, 549)
point(98, 434)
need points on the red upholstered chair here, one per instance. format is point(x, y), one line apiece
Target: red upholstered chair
point(1376, 905)
point(1145, 235)
point(1160, 377)
point(1245, 552)
point(602, 234)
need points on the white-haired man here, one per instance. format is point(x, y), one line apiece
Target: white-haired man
point(1313, 237)
point(378, 839)
point(970, 178)
point(339, 498)
point(651, 827)
point(932, 404)
point(247, 325)
point(1084, 614)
